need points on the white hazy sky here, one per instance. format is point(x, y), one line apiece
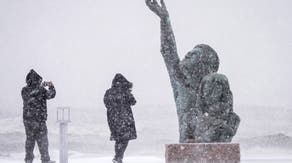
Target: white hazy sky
point(81, 44)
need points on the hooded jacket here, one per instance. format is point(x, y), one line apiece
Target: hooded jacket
point(35, 98)
point(118, 101)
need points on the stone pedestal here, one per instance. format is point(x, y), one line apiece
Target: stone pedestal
point(202, 153)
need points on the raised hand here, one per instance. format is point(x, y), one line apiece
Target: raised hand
point(50, 84)
point(159, 10)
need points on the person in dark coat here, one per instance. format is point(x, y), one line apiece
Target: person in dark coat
point(118, 101)
point(35, 97)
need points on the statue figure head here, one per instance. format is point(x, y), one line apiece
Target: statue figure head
point(199, 62)
point(215, 95)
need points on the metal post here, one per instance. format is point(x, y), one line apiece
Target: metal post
point(63, 122)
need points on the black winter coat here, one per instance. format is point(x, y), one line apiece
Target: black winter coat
point(118, 101)
point(35, 98)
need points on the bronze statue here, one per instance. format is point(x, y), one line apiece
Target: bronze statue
point(202, 96)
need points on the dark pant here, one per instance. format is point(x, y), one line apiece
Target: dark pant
point(36, 132)
point(120, 148)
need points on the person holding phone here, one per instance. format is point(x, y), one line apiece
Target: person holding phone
point(35, 95)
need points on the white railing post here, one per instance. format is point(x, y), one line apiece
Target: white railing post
point(63, 118)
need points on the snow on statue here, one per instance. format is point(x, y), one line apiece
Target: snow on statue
point(203, 97)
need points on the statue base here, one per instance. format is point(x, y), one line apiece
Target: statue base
point(202, 153)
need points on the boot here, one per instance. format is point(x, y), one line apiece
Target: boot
point(117, 160)
point(49, 161)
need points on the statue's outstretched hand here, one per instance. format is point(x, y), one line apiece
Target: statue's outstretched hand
point(159, 10)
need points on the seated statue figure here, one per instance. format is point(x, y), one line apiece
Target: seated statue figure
point(186, 78)
point(213, 116)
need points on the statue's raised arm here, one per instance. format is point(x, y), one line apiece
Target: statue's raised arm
point(168, 43)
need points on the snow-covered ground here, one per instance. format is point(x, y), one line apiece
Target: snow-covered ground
point(255, 155)
point(99, 160)
point(89, 136)
point(144, 159)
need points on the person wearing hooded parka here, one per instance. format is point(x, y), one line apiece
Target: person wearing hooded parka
point(35, 97)
point(118, 101)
